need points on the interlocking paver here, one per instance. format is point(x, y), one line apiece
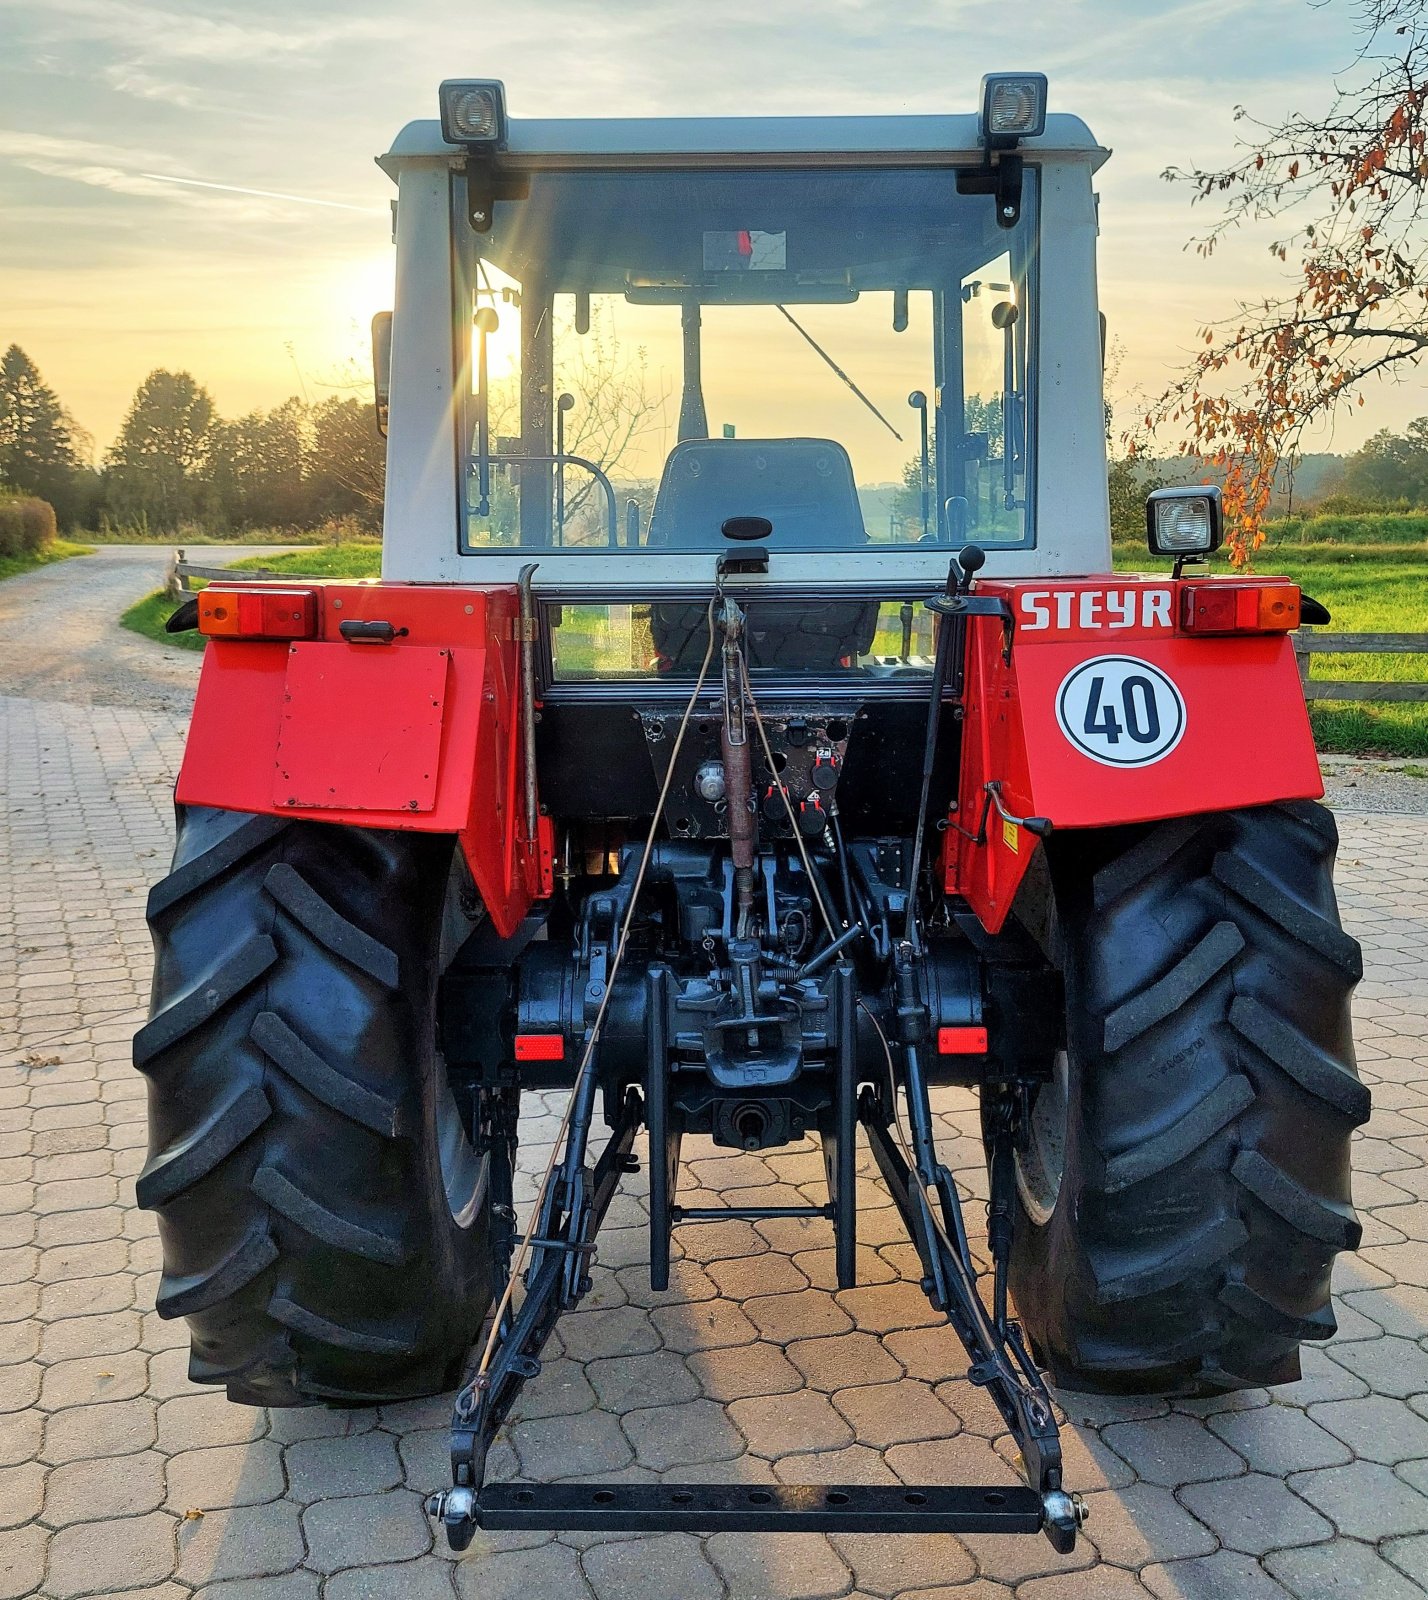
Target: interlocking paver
point(1172, 1450)
point(22, 1561)
point(105, 1557)
point(1279, 1439)
point(114, 1429)
point(1364, 1500)
point(843, 1360)
point(1255, 1514)
point(912, 1561)
point(227, 1475)
point(1410, 1556)
point(427, 1579)
point(289, 1586)
point(779, 1425)
point(1143, 1523)
point(620, 1383)
point(503, 1574)
point(680, 1435)
point(684, 1369)
point(800, 1566)
point(1376, 1428)
point(329, 1468)
point(1341, 1569)
point(22, 1492)
point(883, 1414)
point(93, 1491)
point(670, 1566)
point(240, 1542)
point(569, 1447)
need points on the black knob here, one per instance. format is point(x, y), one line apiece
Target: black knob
point(812, 819)
point(971, 558)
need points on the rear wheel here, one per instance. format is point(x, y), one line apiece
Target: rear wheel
point(1185, 1182)
point(325, 1220)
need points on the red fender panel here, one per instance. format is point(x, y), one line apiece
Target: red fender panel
point(1108, 712)
point(422, 733)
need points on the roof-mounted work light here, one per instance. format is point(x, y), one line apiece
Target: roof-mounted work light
point(1013, 108)
point(473, 113)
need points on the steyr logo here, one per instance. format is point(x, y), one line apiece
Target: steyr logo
point(1120, 711)
point(1090, 610)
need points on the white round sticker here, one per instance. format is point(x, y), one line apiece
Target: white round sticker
point(1120, 711)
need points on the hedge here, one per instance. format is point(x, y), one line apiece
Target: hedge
point(27, 525)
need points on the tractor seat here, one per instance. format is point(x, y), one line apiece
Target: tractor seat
point(805, 488)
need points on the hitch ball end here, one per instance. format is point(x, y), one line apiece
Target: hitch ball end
point(1062, 1517)
point(455, 1510)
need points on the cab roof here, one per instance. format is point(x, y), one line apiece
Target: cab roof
point(673, 141)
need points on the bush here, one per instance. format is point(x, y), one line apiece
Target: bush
point(27, 525)
point(1358, 505)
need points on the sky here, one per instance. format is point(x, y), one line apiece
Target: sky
point(260, 271)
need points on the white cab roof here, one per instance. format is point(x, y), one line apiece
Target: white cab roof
point(538, 141)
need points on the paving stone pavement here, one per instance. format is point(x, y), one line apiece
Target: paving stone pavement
point(117, 1476)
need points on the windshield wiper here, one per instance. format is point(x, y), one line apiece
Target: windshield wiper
point(839, 371)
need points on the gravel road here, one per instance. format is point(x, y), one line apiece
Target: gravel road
point(60, 637)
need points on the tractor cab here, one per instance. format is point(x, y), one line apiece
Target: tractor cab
point(612, 337)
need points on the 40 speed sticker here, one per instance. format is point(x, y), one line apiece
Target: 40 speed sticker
point(1120, 711)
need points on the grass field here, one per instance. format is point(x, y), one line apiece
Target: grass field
point(1370, 571)
point(56, 550)
point(1372, 574)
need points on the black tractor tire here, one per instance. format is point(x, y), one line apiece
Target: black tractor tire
point(1201, 1114)
point(325, 1222)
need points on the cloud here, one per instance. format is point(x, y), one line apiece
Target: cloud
point(150, 33)
point(127, 78)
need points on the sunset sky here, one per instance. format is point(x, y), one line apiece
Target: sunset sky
point(109, 267)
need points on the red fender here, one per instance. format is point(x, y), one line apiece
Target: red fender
point(1110, 712)
point(421, 734)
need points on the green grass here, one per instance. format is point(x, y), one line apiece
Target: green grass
point(1374, 581)
point(356, 560)
point(55, 550)
point(149, 615)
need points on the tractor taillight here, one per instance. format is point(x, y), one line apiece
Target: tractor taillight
point(540, 1047)
point(964, 1041)
point(258, 613)
point(1220, 607)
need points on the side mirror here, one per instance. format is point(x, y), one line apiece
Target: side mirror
point(382, 367)
point(1184, 522)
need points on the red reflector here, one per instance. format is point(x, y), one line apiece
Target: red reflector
point(257, 613)
point(1219, 607)
point(961, 1041)
point(540, 1047)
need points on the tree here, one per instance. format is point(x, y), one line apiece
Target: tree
point(347, 464)
point(39, 444)
point(258, 467)
point(980, 416)
point(157, 464)
point(1349, 185)
point(1391, 467)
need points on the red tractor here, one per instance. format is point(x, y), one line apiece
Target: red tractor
point(748, 773)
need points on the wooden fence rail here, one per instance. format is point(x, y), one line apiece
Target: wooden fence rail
point(1308, 643)
point(180, 571)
